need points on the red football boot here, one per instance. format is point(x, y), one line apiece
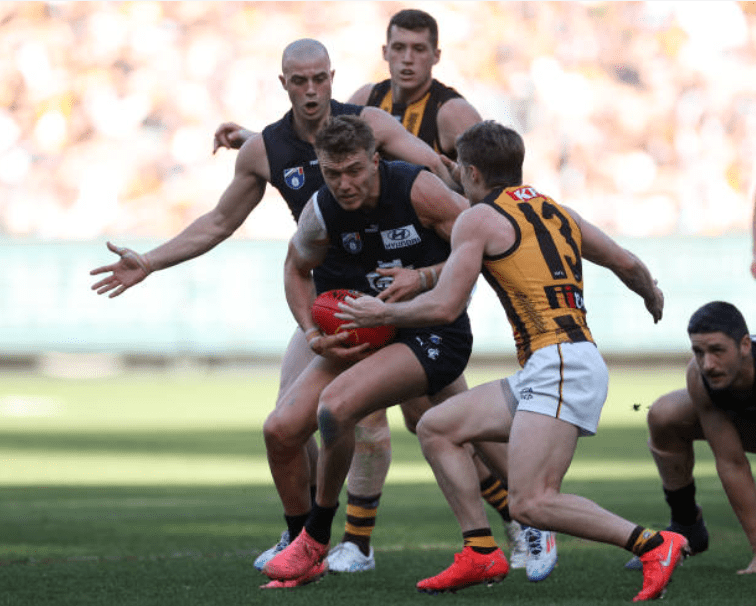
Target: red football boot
point(660, 563)
point(469, 568)
point(298, 559)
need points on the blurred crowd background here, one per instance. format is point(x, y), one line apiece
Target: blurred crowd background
point(641, 115)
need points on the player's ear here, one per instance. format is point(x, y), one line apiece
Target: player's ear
point(384, 49)
point(745, 345)
point(436, 56)
point(282, 79)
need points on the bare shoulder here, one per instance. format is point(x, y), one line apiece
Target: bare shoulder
point(253, 157)
point(361, 95)
point(457, 115)
point(493, 230)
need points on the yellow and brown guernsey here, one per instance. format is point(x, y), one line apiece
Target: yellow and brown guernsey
point(420, 117)
point(539, 280)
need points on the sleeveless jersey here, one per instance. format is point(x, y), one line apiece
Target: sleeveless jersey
point(295, 173)
point(390, 235)
point(294, 169)
point(421, 117)
point(539, 280)
point(737, 407)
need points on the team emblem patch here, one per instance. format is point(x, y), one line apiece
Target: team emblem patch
point(352, 242)
point(294, 177)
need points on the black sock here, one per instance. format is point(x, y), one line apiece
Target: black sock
point(295, 524)
point(319, 523)
point(682, 503)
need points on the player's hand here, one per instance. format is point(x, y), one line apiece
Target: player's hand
point(655, 303)
point(131, 268)
point(751, 567)
point(230, 135)
point(453, 168)
point(362, 311)
point(405, 283)
point(332, 346)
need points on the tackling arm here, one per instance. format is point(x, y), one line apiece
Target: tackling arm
point(394, 140)
point(437, 207)
point(442, 304)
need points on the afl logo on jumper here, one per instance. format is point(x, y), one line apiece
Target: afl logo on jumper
point(400, 237)
point(352, 242)
point(294, 177)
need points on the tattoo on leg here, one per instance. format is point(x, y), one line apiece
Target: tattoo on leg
point(328, 426)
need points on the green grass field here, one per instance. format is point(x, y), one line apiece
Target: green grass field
point(153, 489)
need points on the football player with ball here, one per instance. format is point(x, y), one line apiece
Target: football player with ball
point(370, 213)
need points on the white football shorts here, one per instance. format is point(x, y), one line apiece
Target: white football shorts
point(567, 381)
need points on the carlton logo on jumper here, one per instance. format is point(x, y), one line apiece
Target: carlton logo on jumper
point(400, 237)
point(294, 177)
point(352, 242)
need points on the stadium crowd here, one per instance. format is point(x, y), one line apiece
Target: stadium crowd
point(640, 115)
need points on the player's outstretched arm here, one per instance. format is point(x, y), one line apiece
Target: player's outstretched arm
point(395, 141)
point(241, 197)
point(231, 136)
point(599, 248)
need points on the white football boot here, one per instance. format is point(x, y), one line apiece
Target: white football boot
point(347, 557)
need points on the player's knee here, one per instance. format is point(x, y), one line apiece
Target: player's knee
point(429, 434)
point(663, 424)
point(334, 415)
point(280, 434)
point(527, 507)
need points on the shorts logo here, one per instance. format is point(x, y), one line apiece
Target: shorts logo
point(433, 353)
point(526, 393)
point(400, 237)
point(352, 242)
point(294, 177)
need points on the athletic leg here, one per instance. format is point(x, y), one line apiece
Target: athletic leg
point(296, 358)
point(673, 427)
point(446, 434)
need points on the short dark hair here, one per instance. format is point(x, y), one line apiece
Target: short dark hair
point(415, 20)
point(345, 135)
point(718, 316)
point(495, 150)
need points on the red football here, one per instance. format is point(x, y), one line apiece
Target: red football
point(327, 304)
